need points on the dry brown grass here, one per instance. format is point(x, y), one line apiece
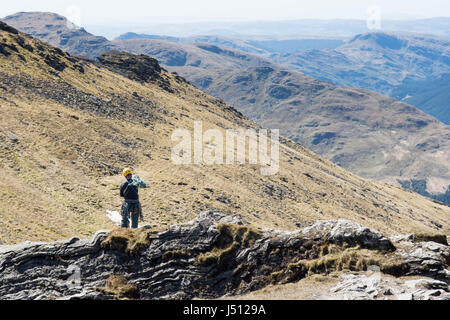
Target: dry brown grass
point(118, 287)
point(338, 259)
point(129, 241)
point(435, 237)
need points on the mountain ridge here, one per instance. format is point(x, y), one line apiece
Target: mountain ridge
point(392, 63)
point(302, 27)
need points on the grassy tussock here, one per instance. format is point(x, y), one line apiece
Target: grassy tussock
point(424, 236)
point(334, 258)
point(129, 241)
point(118, 287)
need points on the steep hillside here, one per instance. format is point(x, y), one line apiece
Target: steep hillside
point(431, 95)
point(370, 134)
point(367, 133)
point(72, 125)
point(401, 65)
point(57, 31)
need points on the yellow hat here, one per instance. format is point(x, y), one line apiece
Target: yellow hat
point(126, 172)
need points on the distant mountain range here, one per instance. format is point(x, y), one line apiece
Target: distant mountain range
point(368, 133)
point(292, 28)
point(254, 45)
point(410, 67)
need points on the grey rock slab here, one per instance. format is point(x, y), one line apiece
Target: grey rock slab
point(196, 259)
point(350, 232)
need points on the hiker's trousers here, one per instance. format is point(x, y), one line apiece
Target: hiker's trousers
point(133, 211)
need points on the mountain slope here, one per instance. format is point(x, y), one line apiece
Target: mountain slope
point(369, 134)
point(401, 65)
point(365, 132)
point(372, 135)
point(72, 125)
point(431, 95)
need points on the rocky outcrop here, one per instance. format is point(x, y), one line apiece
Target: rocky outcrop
point(349, 232)
point(136, 67)
point(7, 28)
point(376, 286)
point(136, 109)
point(426, 258)
point(140, 68)
point(213, 255)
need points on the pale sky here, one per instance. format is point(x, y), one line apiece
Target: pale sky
point(110, 12)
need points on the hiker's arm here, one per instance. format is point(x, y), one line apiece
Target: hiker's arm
point(122, 189)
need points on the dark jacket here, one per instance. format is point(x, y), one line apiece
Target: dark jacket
point(129, 192)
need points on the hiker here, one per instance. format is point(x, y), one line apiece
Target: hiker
point(131, 206)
